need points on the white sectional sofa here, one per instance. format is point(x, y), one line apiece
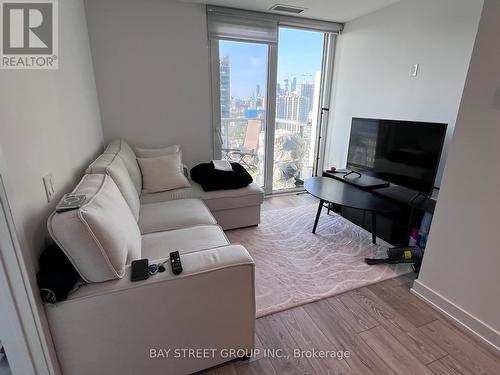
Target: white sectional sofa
point(111, 325)
point(231, 208)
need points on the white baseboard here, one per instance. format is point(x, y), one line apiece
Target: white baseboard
point(481, 330)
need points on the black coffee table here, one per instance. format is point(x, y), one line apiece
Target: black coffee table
point(342, 194)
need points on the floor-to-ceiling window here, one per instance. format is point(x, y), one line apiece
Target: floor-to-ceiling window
point(299, 81)
point(271, 83)
point(243, 93)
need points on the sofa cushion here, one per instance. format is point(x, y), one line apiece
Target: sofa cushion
point(128, 157)
point(155, 152)
point(162, 173)
point(251, 195)
point(114, 166)
point(186, 240)
point(100, 237)
point(170, 195)
point(161, 216)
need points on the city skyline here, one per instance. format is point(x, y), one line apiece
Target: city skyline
point(294, 100)
point(299, 56)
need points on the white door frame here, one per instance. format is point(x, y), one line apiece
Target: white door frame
point(272, 73)
point(21, 331)
point(215, 98)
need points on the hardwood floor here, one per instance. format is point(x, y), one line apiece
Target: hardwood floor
point(385, 329)
point(291, 200)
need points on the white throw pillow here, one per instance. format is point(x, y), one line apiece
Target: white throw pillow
point(156, 152)
point(162, 173)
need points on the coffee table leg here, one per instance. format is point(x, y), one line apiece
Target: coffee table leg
point(374, 227)
point(321, 202)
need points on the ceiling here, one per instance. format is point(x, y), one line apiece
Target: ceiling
point(330, 10)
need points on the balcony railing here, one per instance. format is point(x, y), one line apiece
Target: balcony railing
point(243, 142)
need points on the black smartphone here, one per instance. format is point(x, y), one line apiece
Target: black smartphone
point(139, 270)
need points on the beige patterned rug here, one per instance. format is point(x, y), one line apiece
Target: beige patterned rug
point(294, 266)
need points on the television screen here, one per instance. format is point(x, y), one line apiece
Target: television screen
point(405, 153)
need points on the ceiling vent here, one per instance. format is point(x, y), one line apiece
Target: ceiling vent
point(287, 9)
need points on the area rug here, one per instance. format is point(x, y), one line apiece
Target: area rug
point(294, 266)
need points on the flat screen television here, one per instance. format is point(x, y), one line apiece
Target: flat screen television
point(405, 153)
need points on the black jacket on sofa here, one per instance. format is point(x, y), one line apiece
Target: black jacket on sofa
point(213, 179)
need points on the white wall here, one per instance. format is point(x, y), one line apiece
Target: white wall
point(374, 58)
point(460, 272)
point(151, 61)
point(49, 122)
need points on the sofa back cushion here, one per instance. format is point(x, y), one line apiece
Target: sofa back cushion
point(113, 165)
point(162, 173)
point(125, 152)
point(155, 152)
point(100, 237)
point(113, 147)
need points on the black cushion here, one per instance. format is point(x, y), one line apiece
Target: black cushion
point(213, 179)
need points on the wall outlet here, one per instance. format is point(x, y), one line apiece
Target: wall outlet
point(48, 183)
point(414, 70)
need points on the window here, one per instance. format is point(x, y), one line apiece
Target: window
point(243, 88)
point(271, 77)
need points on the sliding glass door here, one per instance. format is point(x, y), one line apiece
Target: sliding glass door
point(299, 81)
point(268, 100)
point(243, 95)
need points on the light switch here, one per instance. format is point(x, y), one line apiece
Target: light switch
point(48, 183)
point(414, 70)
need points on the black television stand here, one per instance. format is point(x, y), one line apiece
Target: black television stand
point(408, 197)
point(394, 227)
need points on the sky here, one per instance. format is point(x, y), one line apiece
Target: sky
point(299, 53)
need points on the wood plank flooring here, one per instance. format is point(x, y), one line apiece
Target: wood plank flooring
point(386, 329)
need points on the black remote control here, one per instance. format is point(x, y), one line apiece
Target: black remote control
point(175, 260)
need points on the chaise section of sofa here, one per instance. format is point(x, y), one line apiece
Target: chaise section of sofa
point(237, 208)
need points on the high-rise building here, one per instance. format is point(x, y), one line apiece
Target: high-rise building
point(304, 109)
point(292, 107)
point(293, 85)
point(287, 87)
point(225, 88)
point(286, 107)
point(295, 105)
point(306, 90)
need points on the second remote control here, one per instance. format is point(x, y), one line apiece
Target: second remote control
point(175, 260)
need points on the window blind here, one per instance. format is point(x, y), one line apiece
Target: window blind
point(226, 23)
point(245, 25)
